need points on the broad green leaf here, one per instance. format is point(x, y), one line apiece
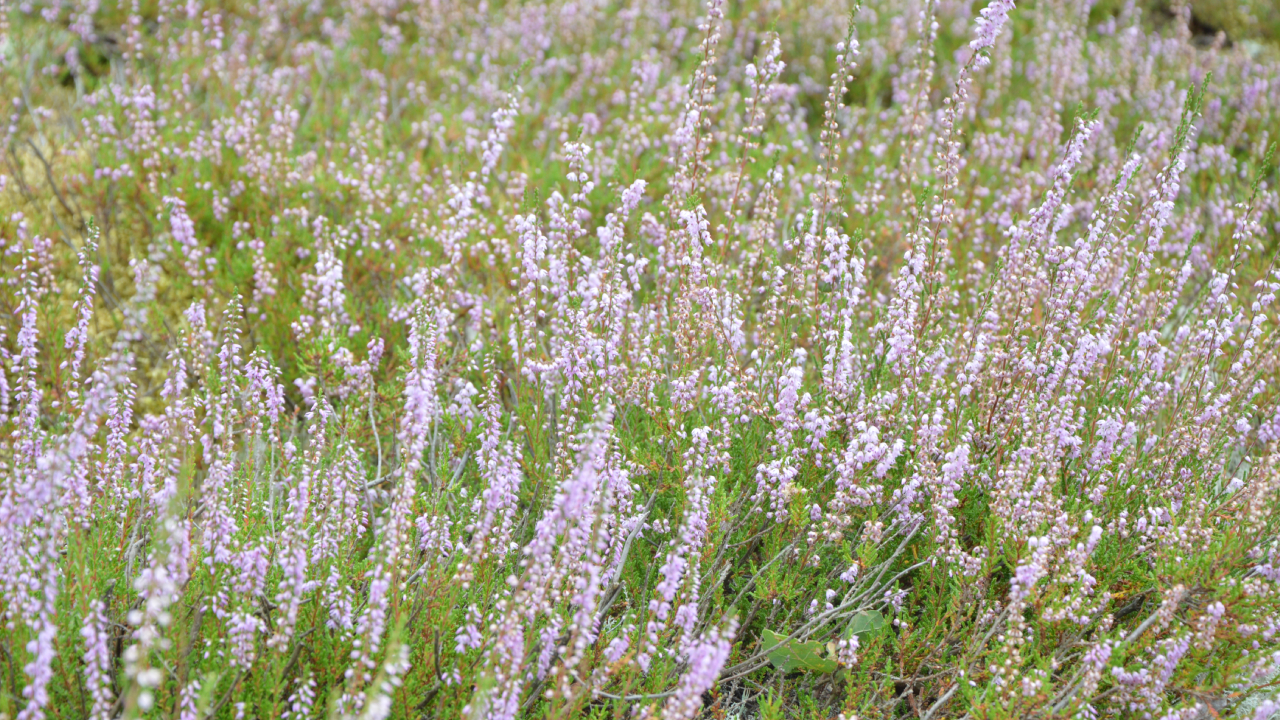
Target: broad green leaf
point(865, 624)
point(796, 655)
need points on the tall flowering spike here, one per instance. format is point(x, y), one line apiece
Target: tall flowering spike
point(5, 390)
point(393, 543)
point(78, 336)
point(499, 469)
point(567, 521)
point(503, 120)
point(688, 144)
point(302, 700)
point(294, 562)
point(41, 649)
point(370, 632)
point(421, 404)
point(31, 519)
point(29, 393)
point(339, 503)
point(194, 256)
point(97, 662)
point(987, 28)
point(326, 299)
point(564, 565)
point(705, 661)
point(377, 703)
point(159, 585)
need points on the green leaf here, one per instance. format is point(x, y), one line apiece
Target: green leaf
point(865, 624)
point(796, 655)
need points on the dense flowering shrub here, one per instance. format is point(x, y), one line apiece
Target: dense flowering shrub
point(421, 358)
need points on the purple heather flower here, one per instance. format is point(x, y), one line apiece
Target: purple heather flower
point(97, 661)
point(706, 659)
point(988, 26)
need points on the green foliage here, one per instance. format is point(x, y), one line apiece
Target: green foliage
point(790, 655)
point(369, 169)
point(866, 624)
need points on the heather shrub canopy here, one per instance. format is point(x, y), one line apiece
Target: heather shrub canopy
point(420, 358)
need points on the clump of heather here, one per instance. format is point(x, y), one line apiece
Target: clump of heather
point(672, 359)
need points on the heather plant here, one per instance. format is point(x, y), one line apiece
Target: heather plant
point(662, 359)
